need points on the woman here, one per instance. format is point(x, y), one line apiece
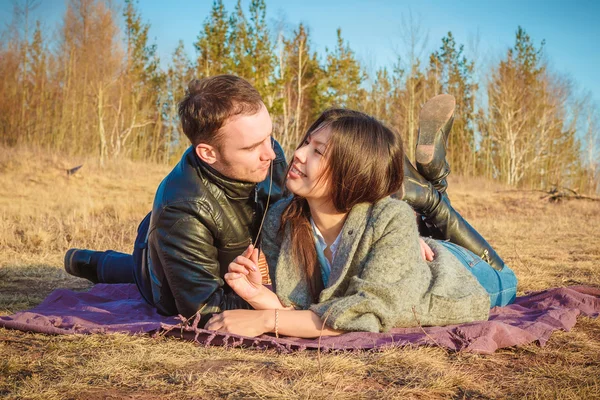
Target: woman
point(343, 255)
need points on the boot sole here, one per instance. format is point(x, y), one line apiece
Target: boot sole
point(88, 272)
point(67, 261)
point(433, 116)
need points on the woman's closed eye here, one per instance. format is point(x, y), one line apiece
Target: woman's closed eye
point(316, 150)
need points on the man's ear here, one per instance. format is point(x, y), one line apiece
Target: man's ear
point(207, 153)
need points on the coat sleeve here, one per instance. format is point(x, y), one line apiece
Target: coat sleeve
point(390, 282)
point(185, 248)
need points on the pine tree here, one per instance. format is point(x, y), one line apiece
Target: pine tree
point(344, 76)
point(212, 44)
point(262, 53)
point(239, 44)
point(179, 74)
point(454, 74)
point(141, 85)
point(525, 134)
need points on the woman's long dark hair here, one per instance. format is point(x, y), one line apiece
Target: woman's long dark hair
point(364, 165)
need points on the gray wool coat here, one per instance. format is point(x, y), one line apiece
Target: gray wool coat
point(378, 278)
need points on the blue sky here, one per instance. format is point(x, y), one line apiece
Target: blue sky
point(374, 28)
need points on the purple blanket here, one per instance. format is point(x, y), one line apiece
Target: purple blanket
point(119, 308)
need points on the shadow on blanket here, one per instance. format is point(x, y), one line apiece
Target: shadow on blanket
point(120, 308)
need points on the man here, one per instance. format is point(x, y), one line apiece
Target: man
point(207, 210)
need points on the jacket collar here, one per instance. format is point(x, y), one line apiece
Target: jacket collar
point(234, 189)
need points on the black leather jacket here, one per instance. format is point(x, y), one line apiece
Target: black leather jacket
point(200, 222)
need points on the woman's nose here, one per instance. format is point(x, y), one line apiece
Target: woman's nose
point(300, 154)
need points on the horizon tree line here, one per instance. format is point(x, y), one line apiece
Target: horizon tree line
point(99, 88)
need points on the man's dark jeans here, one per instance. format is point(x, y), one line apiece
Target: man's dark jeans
point(115, 267)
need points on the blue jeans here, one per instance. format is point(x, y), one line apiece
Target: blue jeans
point(501, 285)
point(115, 267)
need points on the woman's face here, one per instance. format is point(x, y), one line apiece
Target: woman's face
point(304, 177)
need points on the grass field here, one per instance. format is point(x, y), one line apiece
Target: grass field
point(43, 213)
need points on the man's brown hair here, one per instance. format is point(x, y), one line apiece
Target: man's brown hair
point(209, 102)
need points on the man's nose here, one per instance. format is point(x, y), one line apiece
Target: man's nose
point(269, 154)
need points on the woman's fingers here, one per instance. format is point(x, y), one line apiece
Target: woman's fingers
point(248, 259)
point(254, 257)
point(430, 254)
point(248, 252)
point(215, 326)
point(426, 251)
point(235, 267)
point(215, 323)
point(232, 276)
point(245, 262)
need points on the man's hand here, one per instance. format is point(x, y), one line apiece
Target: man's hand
point(426, 251)
point(243, 275)
point(242, 322)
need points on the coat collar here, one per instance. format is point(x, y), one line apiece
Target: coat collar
point(352, 232)
point(290, 280)
point(234, 189)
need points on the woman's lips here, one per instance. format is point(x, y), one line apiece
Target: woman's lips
point(296, 173)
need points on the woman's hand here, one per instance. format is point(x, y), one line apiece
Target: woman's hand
point(242, 322)
point(243, 275)
point(426, 251)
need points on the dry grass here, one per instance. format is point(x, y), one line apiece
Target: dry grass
point(44, 213)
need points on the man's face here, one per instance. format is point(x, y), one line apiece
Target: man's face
point(246, 151)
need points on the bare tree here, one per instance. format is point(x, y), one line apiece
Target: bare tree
point(415, 40)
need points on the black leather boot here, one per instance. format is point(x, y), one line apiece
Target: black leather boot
point(82, 263)
point(442, 220)
point(435, 122)
point(418, 191)
point(419, 194)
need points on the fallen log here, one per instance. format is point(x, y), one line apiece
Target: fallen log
point(557, 194)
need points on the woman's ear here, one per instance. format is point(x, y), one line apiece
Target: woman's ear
point(206, 153)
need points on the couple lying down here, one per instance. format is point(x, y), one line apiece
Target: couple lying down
point(342, 252)
point(343, 247)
